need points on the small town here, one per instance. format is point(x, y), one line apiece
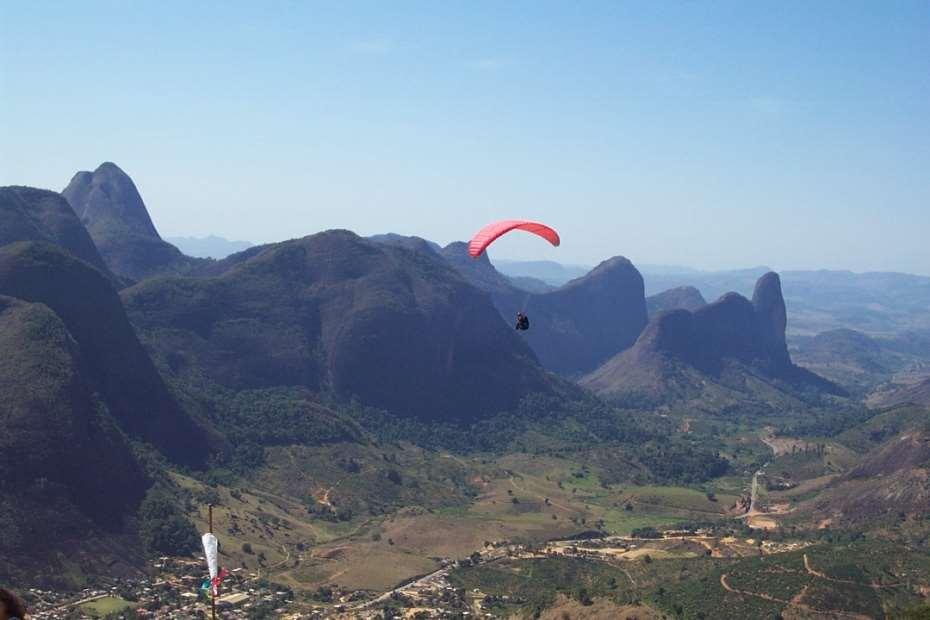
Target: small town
point(174, 591)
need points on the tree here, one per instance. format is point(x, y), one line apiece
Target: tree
point(163, 528)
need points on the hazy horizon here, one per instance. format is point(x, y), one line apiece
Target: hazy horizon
point(714, 137)
point(643, 267)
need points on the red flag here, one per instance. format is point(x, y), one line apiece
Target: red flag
point(216, 581)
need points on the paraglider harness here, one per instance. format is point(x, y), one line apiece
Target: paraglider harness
point(523, 322)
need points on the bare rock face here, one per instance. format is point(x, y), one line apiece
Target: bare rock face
point(110, 206)
point(107, 198)
point(769, 304)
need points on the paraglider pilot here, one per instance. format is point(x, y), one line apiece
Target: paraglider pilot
point(523, 322)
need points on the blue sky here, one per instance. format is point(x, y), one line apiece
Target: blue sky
point(709, 134)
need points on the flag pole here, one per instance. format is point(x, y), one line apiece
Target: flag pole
point(212, 588)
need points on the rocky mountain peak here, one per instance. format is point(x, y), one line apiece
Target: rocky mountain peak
point(730, 330)
point(110, 207)
point(107, 197)
point(612, 270)
point(769, 305)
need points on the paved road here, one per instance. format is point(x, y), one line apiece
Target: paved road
point(422, 581)
point(80, 602)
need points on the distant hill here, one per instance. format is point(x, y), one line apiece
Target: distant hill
point(873, 303)
point(531, 285)
point(734, 343)
point(396, 328)
point(861, 362)
point(574, 327)
point(713, 284)
point(682, 297)
point(210, 246)
point(550, 272)
point(109, 205)
point(113, 360)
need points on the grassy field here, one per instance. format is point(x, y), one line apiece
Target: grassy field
point(369, 517)
point(105, 606)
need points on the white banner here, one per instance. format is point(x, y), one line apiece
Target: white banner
point(211, 551)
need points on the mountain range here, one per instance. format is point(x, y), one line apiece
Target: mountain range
point(243, 323)
point(333, 312)
point(575, 326)
point(863, 363)
point(875, 303)
point(550, 272)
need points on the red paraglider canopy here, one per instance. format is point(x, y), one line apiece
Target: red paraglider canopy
point(486, 236)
